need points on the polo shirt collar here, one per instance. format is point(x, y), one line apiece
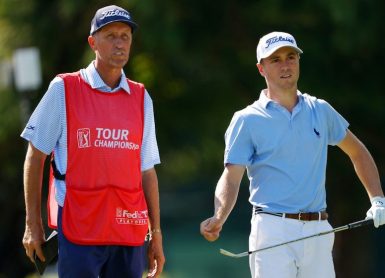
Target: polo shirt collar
point(264, 100)
point(96, 82)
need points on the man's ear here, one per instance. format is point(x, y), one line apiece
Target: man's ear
point(260, 69)
point(91, 42)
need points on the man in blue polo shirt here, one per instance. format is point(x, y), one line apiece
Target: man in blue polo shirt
point(282, 140)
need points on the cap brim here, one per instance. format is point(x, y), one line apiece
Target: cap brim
point(271, 51)
point(132, 24)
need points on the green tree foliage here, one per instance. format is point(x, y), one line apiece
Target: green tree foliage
point(197, 59)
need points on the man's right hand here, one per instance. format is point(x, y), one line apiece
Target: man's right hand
point(226, 194)
point(32, 241)
point(210, 228)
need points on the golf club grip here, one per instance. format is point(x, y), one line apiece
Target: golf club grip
point(360, 223)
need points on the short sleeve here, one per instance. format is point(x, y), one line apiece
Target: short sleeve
point(337, 125)
point(149, 151)
point(239, 145)
point(44, 127)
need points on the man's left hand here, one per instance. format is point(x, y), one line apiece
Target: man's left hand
point(155, 255)
point(377, 211)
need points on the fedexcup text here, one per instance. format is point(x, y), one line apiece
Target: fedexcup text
point(136, 217)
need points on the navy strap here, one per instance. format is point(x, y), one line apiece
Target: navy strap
point(56, 172)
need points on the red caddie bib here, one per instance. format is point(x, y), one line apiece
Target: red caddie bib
point(104, 203)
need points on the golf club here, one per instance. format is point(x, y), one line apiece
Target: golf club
point(338, 229)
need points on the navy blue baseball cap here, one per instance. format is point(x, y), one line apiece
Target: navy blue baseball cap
point(109, 15)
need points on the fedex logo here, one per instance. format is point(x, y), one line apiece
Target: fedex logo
point(131, 217)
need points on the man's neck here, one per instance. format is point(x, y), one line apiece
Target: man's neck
point(285, 98)
point(110, 76)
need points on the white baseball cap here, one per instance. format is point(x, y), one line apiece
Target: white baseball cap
point(271, 42)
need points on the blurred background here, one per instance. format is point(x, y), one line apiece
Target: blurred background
point(197, 60)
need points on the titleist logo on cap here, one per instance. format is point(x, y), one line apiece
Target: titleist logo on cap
point(114, 12)
point(276, 39)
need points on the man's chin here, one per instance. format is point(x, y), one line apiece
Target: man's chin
point(119, 63)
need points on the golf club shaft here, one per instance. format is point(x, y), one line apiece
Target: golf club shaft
point(338, 229)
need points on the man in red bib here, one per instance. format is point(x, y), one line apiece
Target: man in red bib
point(104, 196)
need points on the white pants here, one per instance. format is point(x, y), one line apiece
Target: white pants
point(310, 258)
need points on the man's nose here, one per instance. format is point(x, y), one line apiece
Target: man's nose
point(118, 42)
point(286, 63)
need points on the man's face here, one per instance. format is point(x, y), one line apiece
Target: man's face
point(111, 45)
point(281, 69)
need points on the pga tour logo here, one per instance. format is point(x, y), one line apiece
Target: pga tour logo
point(105, 138)
point(84, 138)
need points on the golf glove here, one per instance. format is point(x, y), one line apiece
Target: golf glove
point(377, 211)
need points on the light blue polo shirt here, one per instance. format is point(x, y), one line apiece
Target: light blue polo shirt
point(47, 126)
point(285, 153)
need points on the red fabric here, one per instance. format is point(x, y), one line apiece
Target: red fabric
point(52, 206)
point(104, 202)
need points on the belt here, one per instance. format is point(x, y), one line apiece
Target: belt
point(303, 216)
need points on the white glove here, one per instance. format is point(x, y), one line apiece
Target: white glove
point(377, 211)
